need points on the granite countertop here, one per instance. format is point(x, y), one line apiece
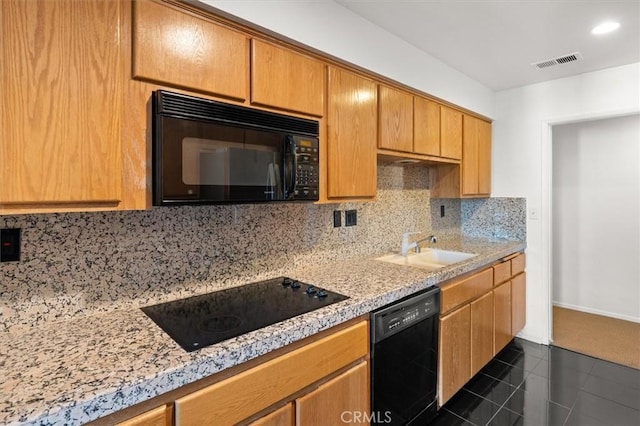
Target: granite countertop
point(76, 371)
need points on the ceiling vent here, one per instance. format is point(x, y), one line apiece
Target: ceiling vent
point(564, 59)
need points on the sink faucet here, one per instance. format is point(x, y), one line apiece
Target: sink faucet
point(405, 246)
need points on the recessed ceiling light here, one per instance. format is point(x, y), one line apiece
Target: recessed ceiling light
point(605, 27)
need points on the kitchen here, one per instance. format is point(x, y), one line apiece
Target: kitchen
point(85, 264)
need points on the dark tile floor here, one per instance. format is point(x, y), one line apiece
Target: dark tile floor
point(530, 384)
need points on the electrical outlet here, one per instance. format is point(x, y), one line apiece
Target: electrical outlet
point(9, 245)
point(337, 218)
point(533, 213)
point(441, 211)
point(350, 217)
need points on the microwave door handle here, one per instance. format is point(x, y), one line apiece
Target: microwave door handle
point(271, 180)
point(276, 184)
point(289, 167)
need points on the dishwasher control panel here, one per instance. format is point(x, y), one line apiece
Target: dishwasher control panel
point(405, 312)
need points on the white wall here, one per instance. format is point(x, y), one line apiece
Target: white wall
point(334, 29)
point(596, 206)
point(522, 159)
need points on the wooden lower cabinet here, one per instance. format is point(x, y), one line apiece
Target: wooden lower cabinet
point(480, 314)
point(160, 416)
point(502, 315)
point(454, 353)
point(481, 332)
point(518, 303)
point(283, 416)
point(247, 393)
point(342, 400)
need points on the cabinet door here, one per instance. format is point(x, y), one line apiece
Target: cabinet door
point(396, 120)
point(450, 133)
point(481, 332)
point(287, 80)
point(179, 49)
point(157, 417)
point(518, 303)
point(426, 127)
point(470, 156)
point(454, 359)
point(502, 316)
point(61, 82)
point(344, 399)
point(283, 416)
point(484, 157)
point(351, 135)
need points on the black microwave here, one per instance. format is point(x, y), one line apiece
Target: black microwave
point(208, 152)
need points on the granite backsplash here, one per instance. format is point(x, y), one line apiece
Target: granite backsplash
point(76, 264)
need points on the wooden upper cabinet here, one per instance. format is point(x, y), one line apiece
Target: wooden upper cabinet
point(348, 393)
point(395, 117)
point(470, 160)
point(287, 80)
point(180, 49)
point(472, 178)
point(426, 127)
point(450, 133)
point(484, 157)
point(476, 161)
point(61, 82)
point(351, 135)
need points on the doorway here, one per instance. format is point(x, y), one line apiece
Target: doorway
point(595, 239)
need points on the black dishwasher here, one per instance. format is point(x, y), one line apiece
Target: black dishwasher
point(404, 360)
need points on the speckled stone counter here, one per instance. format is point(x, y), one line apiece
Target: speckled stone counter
point(79, 370)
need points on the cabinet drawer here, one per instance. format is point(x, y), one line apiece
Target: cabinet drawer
point(518, 264)
point(229, 401)
point(501, 272)
point(283, 416)
point(465, 290)
point(157, 417)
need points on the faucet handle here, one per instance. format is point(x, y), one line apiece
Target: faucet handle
point(405, 246)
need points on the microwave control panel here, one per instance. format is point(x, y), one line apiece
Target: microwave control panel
point(307, 169)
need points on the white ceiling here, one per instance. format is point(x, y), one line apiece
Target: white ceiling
point(495, 41)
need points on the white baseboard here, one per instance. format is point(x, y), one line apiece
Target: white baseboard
point(531, 338)
point(597, 312)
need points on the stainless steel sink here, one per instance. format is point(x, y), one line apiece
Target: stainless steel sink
point(429, 259)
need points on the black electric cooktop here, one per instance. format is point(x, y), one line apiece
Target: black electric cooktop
point(199, 321)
